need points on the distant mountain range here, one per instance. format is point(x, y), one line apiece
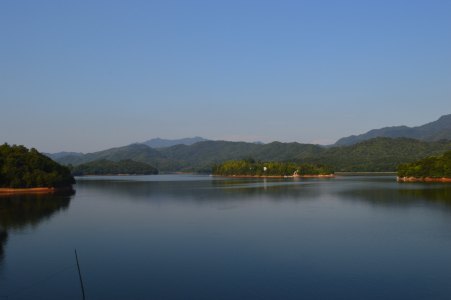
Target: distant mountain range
point(377, 150)
point(379, 154)
point(59, 155)
point(162, 143)
point(434, 131)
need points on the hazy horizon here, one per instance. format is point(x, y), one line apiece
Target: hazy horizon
point(87, 76)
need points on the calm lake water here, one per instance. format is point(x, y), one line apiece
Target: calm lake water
point(198, 237)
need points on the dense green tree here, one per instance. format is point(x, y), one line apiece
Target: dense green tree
point(108, 167)
point(434, 166)
point(23, 168)
point(251, 168)
point(379, 154)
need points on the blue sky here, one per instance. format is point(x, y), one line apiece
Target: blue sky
point(89, 75)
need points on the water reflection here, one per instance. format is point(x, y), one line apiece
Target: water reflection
point(383, 190)
point(206, 191)
point(3, 239)
point(236, 238)
point(18, 212)
point(399, 194)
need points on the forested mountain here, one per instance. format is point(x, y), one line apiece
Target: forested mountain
point(23, 168)
point(432, 167)
point(434, 131)
point(62, 154)
point(380, 154)
point(250, 167)
point(201, 156)
point(136, 152)
point(108, 167)
point(161, 143)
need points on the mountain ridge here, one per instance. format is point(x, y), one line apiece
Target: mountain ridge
point(163, 143)
point(432, 131)
point(378, 154)
point(372, 151)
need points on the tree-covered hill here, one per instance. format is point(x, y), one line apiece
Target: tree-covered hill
point(433, 167)
point(135, 152)
point(250, 167)
point(433, 131)
point(23, 168)
point(201, 156)
point(108, 167)
point(162, 143)
point(380, 154)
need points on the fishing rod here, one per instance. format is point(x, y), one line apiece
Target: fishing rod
point(79, 275)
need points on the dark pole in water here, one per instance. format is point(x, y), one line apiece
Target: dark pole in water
point(79, 275)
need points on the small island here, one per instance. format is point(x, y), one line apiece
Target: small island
point(251, 168)
point(23, 170)
point(430, 169)
point(108, 167)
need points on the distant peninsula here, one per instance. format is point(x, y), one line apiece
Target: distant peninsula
point(23, 170)
point(108, 167)
point(252, 168)
point(430, 169)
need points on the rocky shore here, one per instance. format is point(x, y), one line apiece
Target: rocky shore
point(423, 179)
point(37, 190)
point(278, 176)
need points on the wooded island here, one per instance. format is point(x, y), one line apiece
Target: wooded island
point(429, 169)
point(108, 167)
point(251, 168)
point(24, 170)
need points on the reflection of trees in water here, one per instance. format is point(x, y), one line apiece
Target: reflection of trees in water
point(3, 239)
point(20, 211)
point(440, 193)
point(382, 191)
point(198, 191)
point(401, 194)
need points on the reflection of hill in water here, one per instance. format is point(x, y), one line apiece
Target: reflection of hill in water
point(214, 190)
point(3, 239)
point(20, 211)
point(401, 194)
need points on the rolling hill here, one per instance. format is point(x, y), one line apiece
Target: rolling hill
point(434, 131)
point(161, 143)
point(379, 154)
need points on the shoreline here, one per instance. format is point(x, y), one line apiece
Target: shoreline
point(125, 174)
point(37, 190)
point(383, 173)
point(423, 179)
point(277, 176)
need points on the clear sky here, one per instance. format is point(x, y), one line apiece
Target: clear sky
point(89, 75)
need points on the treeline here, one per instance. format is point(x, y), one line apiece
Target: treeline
point(378, 155)
point(23, 168)
point(434, 167)
point(108, 167)
point(249, 167)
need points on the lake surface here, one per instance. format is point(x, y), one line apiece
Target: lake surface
point(199, 237)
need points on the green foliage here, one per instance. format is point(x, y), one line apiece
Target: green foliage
point(434, 166)
point(379, 154)
point(108, 167)
point(434, 131)
point(23, 168)
point(249, 167)
point(136, 152)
